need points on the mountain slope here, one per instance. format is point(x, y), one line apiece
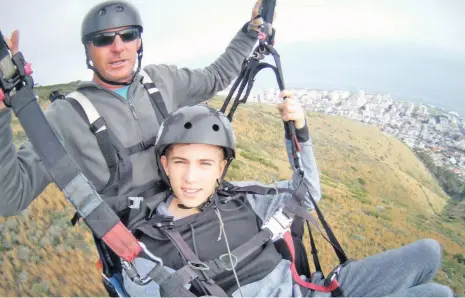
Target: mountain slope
point(377, 196)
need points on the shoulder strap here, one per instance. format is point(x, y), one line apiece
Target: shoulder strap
point(98, 126)
point(91, 113)
point(155, 96)
point(229, 189)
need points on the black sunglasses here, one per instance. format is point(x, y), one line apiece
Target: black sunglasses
point(107, 38)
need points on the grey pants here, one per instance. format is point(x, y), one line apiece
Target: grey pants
point(406, 271)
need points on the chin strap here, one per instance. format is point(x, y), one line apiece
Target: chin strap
point(201, 207)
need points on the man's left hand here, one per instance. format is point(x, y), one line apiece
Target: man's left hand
point(255, 22)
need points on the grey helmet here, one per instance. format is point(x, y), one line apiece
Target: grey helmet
point(108, 15)
point(195, 124)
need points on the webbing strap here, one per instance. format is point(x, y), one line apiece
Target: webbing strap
point(97, 125)
point(155, 96)
point(68, 177)
point(292, 206)
point(228, 188)
point(333, 285)
point(314, 251)
point(173, 285)
point(194, 262)
point(222, 264)
point(122, 203)
point(89, 109)
point(332, 238)
point(141, 146)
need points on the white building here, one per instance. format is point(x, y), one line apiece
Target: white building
point(423, 109)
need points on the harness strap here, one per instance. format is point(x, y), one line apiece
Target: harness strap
point(221, 264)
point(173, 285)
point(144, 145)
point(228, 189)
point(293, 207)
point(332, 238)
point(194, 262)
point(314, 251)
point(66, 173)
point(98, 126)
point(247, 65)
point(206, 271)
point(330, 287)
point(120, 204)
point(155, 96)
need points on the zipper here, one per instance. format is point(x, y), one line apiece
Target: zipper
point(131, 107)
point(133, 111)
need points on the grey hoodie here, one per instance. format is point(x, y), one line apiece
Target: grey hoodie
point(22, 174)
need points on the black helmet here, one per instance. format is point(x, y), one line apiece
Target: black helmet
point(195, 124)
point(107, 15)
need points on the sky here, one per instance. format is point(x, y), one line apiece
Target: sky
point(409, 48)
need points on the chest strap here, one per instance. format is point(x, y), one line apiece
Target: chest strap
point(122, 204)
point(194, 263)
point(144, 145)
point(99, 128)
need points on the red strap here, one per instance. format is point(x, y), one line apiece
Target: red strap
point(122, 242)
point(290, 245)
point(297, 145)
point(2, 95)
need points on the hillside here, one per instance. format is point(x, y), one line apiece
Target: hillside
point(44, 91)
point(377, 196)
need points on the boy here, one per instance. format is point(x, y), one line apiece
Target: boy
point(198, 222)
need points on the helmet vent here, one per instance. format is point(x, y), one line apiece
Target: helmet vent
point(102, 12)
point(119, 8)
point(187, 125)
point(215, 127)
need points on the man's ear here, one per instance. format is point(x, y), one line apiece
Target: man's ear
point(164, 163)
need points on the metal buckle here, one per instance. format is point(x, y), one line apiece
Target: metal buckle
point(135, 202)
point(165, 222)
point(225, 263)
point(150, 254)
point(198, 265)
point(335, 273)
point(258, 55)
point(278, 224)
point(132, 271)
point(332, 275)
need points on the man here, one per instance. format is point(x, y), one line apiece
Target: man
point(116, 155)
point(198, 223)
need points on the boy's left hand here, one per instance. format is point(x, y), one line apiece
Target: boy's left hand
point(291, 109)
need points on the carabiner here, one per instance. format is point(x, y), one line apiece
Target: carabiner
point(132, 271)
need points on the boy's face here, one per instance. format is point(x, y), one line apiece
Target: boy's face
point(193, 170)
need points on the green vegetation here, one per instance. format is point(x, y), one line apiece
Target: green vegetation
point(377, 195)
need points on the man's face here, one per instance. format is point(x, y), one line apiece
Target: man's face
point(193, 170)
point(115, 61)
